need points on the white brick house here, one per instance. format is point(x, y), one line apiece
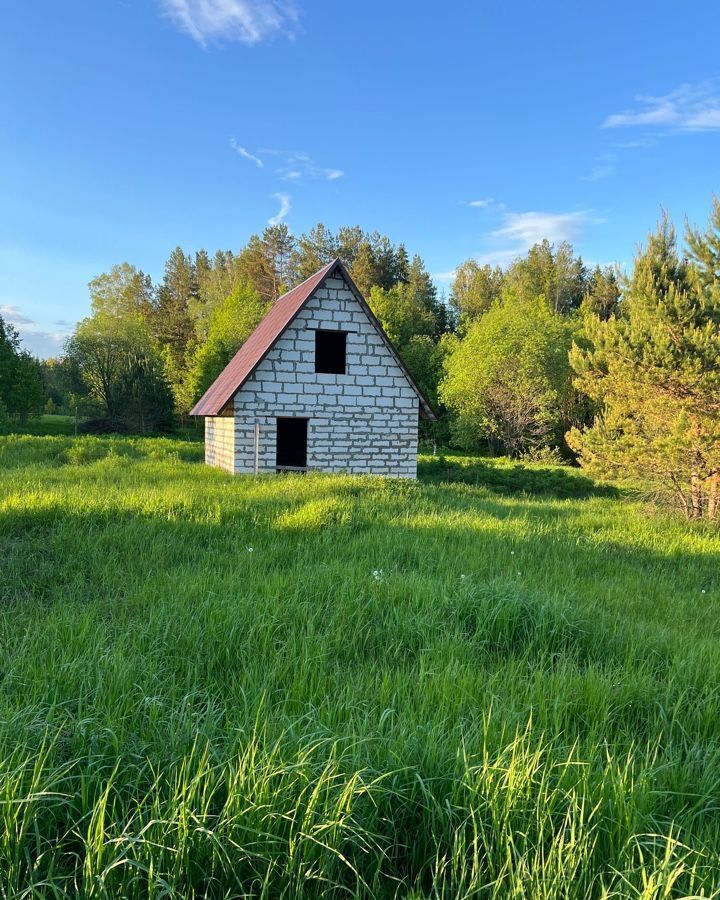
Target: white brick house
point(317, 386)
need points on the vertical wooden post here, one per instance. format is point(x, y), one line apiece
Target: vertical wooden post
point(257, 447)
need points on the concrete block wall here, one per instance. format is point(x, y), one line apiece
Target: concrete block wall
point(362, 422)
point(220, 442)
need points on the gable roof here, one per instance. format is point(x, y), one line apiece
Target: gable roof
point(263, 339)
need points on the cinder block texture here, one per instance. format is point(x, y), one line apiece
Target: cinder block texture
point(365, 421)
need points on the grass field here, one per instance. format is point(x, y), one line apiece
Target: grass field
point(502, 681)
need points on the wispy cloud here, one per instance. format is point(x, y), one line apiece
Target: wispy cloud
point(479, 204)
point(243, 21)
point(599, 172)
point(246, 154)
point(687, 108)
point(604, 168)
point(528, 228)
point(293, 165)
point(296, 166)
point(520, 230)
point(284, 201)
point(635, 145)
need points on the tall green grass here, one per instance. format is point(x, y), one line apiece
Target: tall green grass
point(502, 681)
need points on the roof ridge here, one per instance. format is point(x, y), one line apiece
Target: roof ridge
point(282, 312)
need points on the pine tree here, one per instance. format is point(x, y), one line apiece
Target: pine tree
point(364, 269)
point(385, 260)
point(313, 251)
point(349, 240)
point(278, 245)
point(655, 371)
point(603, 294)
point(402, 264)
point(176, 296)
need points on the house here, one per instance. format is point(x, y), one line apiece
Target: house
point(317, 386)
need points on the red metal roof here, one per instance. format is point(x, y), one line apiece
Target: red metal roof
point(262, 340)
point(256, 347)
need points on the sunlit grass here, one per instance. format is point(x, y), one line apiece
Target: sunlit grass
point(502, 681)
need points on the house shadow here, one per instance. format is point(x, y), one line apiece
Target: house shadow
point(554, 482)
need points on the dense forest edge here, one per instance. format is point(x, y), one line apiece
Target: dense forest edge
point(546, 359)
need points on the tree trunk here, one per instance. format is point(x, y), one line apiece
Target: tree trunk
point(713, 508)
point(696, 496)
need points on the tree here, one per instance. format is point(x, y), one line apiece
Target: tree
point(59, 380)
point(123, 291)
point(364, 269)
point(552, 272)
point(474, 290)
point(508, 379)
point(230, 326)
point(603, 294)
point(349, 239)
point(313, 251)
point(403, 313)
point(654, 370)
point(20, 383)
point(176, 296)
point(121, 369)
point(266, 262)
point(401, 264)
point(215, 282)
point(385, 260)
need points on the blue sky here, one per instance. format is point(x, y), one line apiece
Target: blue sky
point(461, 128)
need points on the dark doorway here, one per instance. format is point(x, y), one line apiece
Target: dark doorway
point(291, 446)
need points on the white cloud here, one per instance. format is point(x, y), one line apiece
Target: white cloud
point(40, 342)
point(284, 201)
point(480, 204)
point(244, 21)
point(333, 174)
point(246, 154)
point(15, 315)
point(443, 276)
point(687, 108)
point(528, 228)
point(520, 230)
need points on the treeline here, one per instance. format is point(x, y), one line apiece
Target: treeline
point(148, 351)
point(551, 359)
point(544, 359)
point(20, 377)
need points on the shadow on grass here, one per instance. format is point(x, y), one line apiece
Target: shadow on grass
point(513, 478)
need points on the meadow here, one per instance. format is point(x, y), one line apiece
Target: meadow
point(500, 681)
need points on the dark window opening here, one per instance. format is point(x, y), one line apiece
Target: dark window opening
point(291, 444)
point(330, 352)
